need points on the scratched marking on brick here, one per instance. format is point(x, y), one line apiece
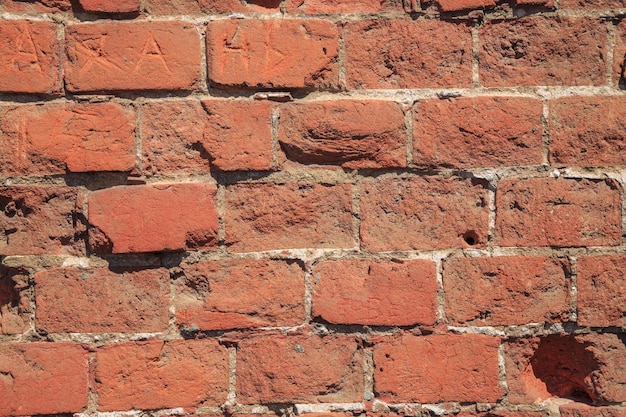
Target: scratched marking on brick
point(26, 55)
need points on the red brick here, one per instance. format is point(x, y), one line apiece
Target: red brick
point(535, 3)
point(165, 7)
point(283, 216)
point(102, 301)
point(30, 57)
point(542, 51)
point(457, 5)
point(273, 53)
point(557, 212)
point(353, 134)
point(192, 137)
point(602, 291)
point(54, 139)
point(503, 413)
point(478, 132)
point(577, 409)
point(384, 54)
point(40, 220)
point(244, 293)
point(588, 131)
point(15, 303)
point(392, 293)
point(105, 6)
point(290, 369)
point(150, 218)
point(36, 6)
point(588, 367)
point(592, 4)
point(436, 368)
point(132, 56)
point(506, 290)
point(423, 213)
point(157, 374)
point(340, 6)
point(619, 54)
point(42, 378)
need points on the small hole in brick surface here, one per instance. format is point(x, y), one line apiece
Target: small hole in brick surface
point(470, 237)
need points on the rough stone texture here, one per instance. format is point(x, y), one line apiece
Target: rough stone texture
point(40, 220)
point(557, 212)
point(588, 131)
point(592, 4)
point(193, 137)
point(384, 54)
point(299, 369)
point(29, 62)
point(503, 413)
point(106, 6)
point(35, 6)
point(147, 218)
point(423, 213)
point(619, 55)
point(54, 139)
point(478, 132)
point(101, 301)
point(506, 290)
point(273, 53)
point(585, 367)
point(42, 378)
point(15, 303)
point(278, 216)
point(542, 51)
point(242, 293)
point(132, 56)
point(392, 293)
point(164, 7)
point(456, 5)
point(157, 374)
point(602, 291)
point(577, 409)
point(341, 6)
point(437, 368)
point(352, 134)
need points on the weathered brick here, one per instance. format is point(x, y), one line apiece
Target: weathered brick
point(102, 301)
point(40, 220)
point(147, 218)
point(436, 368)
point(423, 213)
point(15, 303)
point(503, 413)
point(132, 56)
point(592, 4)
point(165, 7)
point(588, 367)
point(30, 57)
point(54, 139)
point(619, 55)
point(340, 6)
point(42, 378)
point(577, 409)
point(157, 374)
point(384, 54)
point(396, 293)
point(478, 132)
point(542, 51)
point(193, 136)
point(457, 5)
point(289, 369)
point(244, 293)
point(602, 291)
point(353, 134)
point(273, 53)
point(588, 131)
point(535, 3)
point(35, 6)
point(506, 290)
point(280, 216)
point(557, 212)
point(105, 6)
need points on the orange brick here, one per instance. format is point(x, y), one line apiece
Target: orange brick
point(340, 6)
point(105, 6)
point(166, 7)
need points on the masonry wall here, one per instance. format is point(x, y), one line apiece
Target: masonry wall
point(312, 207)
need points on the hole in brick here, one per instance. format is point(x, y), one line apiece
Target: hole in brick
point(470, 237)
point(564, 365)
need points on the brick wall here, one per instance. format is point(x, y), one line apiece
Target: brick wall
point(312, 207)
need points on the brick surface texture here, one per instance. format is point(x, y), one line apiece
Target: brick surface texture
point(313, 208)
